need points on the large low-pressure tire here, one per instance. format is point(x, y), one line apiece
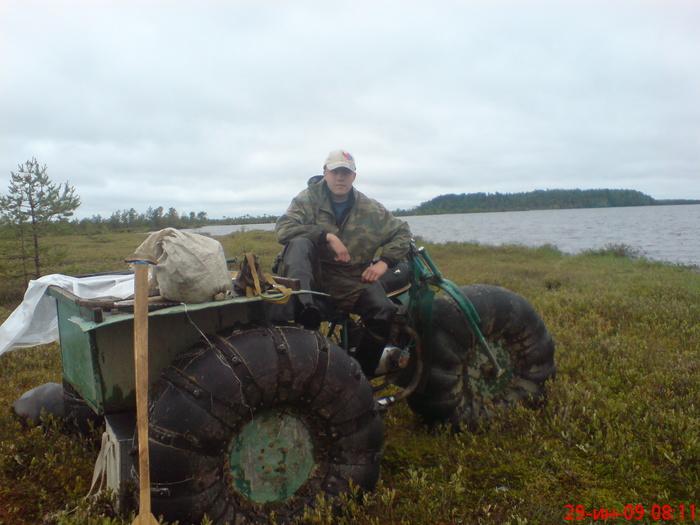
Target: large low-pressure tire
point(78, 414)
point(258, 423)
point(461, 388)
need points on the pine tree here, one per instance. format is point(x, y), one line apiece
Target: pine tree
point(33, 201)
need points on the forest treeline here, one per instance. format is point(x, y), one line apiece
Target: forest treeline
point(154, 219)
point(151, 220)
point(536, 200)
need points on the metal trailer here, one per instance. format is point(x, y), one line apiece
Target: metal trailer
point(250, 419)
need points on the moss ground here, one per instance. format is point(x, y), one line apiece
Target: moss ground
point(621, 429)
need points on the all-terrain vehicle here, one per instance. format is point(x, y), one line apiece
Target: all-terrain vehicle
point(248, 419)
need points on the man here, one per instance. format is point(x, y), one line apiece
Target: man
point(331, 233)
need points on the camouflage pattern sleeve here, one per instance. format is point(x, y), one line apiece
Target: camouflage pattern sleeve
point(397, 241)
point(298, 221)
point(371, 227)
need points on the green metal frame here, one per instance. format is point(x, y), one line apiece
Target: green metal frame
point(427, 280)
point(97, 342)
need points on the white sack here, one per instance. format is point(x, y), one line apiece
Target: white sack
point(191, 267)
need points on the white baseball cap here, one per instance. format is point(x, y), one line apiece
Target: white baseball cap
point(340, 159)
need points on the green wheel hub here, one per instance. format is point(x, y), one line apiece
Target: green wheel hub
point(272, 457)
point(481, 376)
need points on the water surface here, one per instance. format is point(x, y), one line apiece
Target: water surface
point(664, 233)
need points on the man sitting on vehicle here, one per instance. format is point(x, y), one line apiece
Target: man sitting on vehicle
point(331, 233)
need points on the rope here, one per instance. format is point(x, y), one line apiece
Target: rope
point(282, 292)
point(106, 463)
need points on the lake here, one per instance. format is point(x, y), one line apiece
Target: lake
point(664, 233)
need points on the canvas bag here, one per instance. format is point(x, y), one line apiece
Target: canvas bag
point(191, 268)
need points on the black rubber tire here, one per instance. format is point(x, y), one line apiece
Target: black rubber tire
point(516, 333)
point(207, 396)
point(78, 414)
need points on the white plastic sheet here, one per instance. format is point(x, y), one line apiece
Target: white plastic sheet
point(34, 322)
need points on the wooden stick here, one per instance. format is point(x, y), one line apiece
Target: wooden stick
point(145, 517)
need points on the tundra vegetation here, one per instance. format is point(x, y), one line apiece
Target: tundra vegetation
point(620, 431)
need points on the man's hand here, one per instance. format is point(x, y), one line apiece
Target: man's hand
point(341, 252)
point(374, 272)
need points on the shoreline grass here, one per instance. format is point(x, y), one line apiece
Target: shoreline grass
point(621, 429)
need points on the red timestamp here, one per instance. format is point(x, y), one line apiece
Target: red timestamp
point(632, 513)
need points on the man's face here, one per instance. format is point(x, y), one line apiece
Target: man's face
point(339, 182)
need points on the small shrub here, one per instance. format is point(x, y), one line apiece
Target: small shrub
point(617, 250)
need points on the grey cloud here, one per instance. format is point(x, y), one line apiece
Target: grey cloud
point(228, 107)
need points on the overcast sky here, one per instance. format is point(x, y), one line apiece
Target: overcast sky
point(228, 107)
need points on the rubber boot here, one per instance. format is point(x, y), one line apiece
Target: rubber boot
point(377, 311)
point(299, 261)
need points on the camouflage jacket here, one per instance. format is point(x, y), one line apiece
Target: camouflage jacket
point(367, 227)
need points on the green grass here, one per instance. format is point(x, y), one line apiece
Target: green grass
point(621, 426)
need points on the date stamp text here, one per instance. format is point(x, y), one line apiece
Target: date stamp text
point(632, 513)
